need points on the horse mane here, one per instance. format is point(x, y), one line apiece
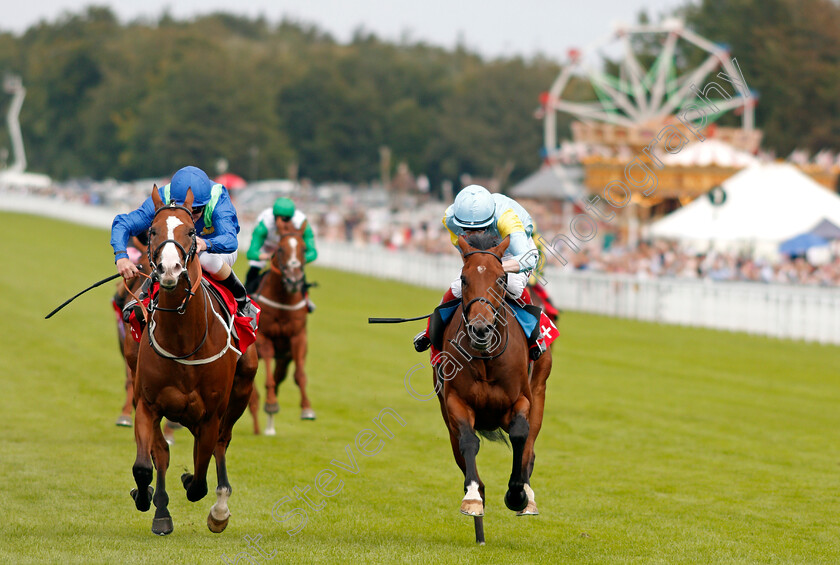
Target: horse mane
point(483, 240)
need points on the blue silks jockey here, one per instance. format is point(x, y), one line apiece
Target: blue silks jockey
point(215, 222)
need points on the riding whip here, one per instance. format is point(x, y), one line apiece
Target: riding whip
point(393, 320)
point(94, 285)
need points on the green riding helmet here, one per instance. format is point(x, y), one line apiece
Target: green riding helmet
point(284, 207)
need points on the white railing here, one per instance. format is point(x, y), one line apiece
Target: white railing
point(783, 311)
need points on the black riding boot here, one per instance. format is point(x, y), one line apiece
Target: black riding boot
point(134, 305)
point(243, 303)
point(535, 347)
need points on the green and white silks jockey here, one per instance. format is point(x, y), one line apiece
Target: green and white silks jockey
point(265, 239)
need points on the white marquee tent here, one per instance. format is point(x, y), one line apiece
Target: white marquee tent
point(765, 204)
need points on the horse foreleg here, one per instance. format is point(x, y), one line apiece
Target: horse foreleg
point(266, 352)
point(162, 523)
point(206, 437)
point(516, 498)
point(254, 408)
point(217, 519)
point(125, 415)
point(142, 469)
point(299, 347)
point(461, 422)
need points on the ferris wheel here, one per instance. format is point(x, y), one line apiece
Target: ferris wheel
point(640, 96)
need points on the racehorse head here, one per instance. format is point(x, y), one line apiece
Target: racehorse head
point(172, 241)
point(482, 286)
point(288, 260)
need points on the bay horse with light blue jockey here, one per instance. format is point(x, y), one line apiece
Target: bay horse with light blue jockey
point(188, 371)
point(483, 382)
point(281, 336)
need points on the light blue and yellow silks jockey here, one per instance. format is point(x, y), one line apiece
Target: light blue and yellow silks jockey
point(509, 219)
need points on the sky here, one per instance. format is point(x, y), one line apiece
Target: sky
point(493, 28)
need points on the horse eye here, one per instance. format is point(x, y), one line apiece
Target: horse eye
point(191, 232)
point(152, 232)
point(463, 280)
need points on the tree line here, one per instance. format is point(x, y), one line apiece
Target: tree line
point(140, 99)
point(137, 100)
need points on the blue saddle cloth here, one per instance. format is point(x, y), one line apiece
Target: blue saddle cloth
point(526, 319)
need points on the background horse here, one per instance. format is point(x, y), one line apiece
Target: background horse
point(281, 336)
point(129, 347)
point(187, 371)
point(483, 382)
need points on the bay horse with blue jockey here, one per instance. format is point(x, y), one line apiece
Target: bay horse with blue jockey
point(188, 370)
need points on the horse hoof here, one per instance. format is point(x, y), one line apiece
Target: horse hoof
point(307, 414)
point(530, 510)
point(472, 507)
point(124, 421)
point(217, 526)
point(516, 502)
point(186, 479)
point(162, 526)
point(272, 408)
point(142, 505)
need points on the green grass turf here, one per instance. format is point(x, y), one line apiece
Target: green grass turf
point(660, 444)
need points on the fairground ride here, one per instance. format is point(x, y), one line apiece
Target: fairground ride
point(619, 105)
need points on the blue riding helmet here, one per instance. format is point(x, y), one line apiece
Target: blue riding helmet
point(474, 208)
point(194, 179)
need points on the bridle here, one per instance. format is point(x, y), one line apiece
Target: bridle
point(187, 255)
point(497, 311)
point(292, 284)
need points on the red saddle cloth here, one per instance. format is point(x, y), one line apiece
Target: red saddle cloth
point(244, 334)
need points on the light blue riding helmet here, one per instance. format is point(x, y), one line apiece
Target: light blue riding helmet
point(473, 208)
point(194, 179)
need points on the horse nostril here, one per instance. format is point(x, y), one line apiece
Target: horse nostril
point(480, 332)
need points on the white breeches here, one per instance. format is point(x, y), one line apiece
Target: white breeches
point(212, 263)
point(516, 283)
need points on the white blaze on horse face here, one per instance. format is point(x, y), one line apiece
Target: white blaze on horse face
point(472, 492)
point(170, 258)
point(293, 260)
point(481, 268)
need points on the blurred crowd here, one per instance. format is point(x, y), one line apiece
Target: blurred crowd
point(647, 260)
point(668, 259)
point(338, 213)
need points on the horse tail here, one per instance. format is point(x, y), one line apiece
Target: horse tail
point(496, 435)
